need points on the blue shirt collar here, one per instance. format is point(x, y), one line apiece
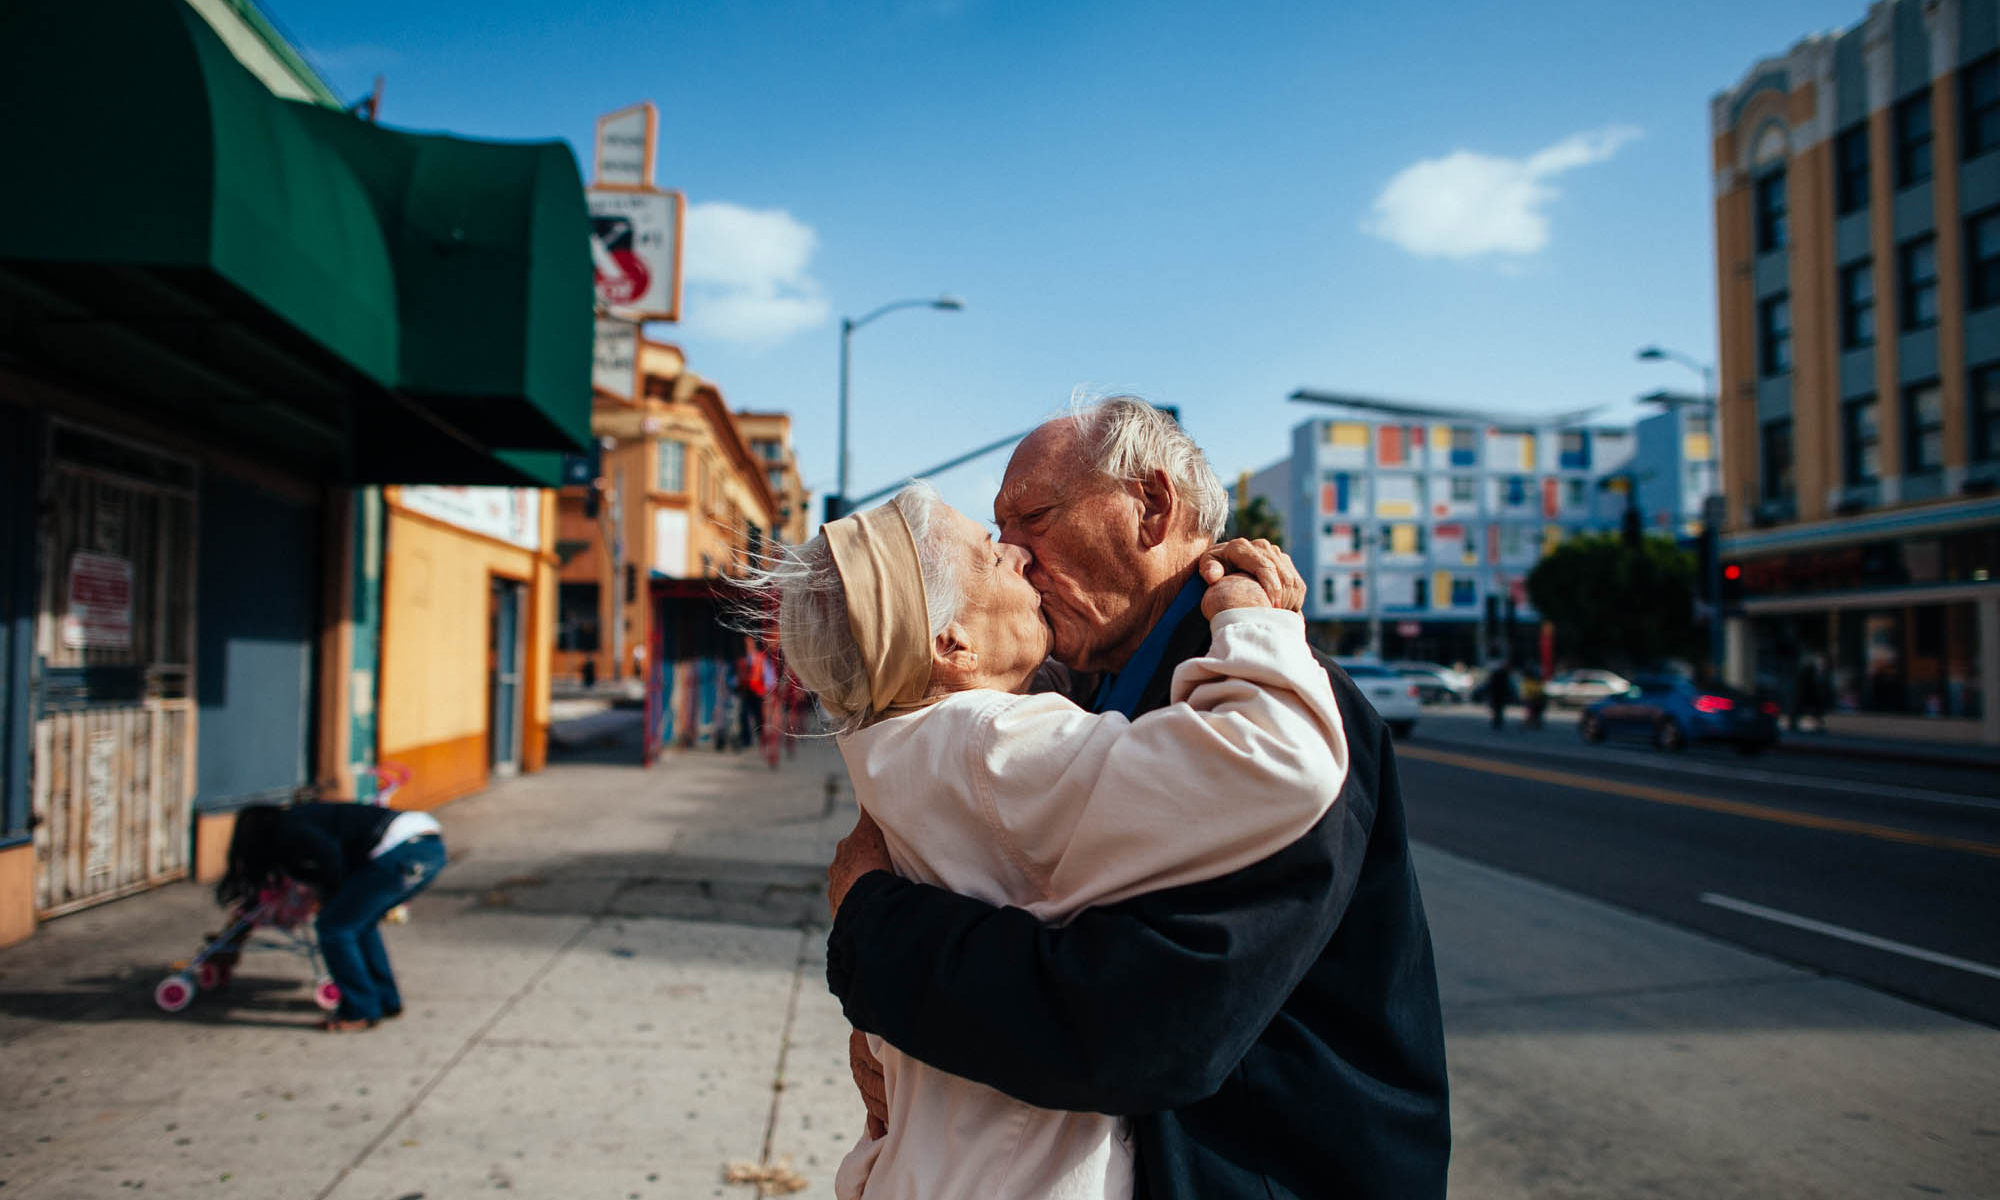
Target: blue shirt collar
point(1122, 689)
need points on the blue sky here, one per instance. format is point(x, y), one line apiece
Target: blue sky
point(1206, 204)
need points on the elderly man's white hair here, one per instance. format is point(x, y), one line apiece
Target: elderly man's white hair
point(1128, 439)
point(813, 632)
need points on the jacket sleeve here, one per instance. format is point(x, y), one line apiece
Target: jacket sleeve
point(1133, 1007)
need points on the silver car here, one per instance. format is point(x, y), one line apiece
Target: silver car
point(1578, 689)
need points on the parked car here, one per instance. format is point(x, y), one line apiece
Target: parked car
point(1674, 712)
point(1436, 683)
point(1395, 698)
point(1574, 689)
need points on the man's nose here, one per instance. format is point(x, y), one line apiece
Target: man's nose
point(1017, 556)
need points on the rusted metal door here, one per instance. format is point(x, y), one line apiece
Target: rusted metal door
point(114, 732)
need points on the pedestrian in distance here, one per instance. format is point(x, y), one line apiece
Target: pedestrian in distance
point(752, 684)
point(1499, 690)
point(1271, 1031)
point(1534, 698)
point(363, 860)
point(1808, 694)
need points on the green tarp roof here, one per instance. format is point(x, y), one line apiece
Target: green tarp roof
point(211, 239)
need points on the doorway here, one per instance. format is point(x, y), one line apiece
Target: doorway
point(504, 656)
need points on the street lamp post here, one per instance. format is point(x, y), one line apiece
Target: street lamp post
point(836, 504)
point(1711, 525)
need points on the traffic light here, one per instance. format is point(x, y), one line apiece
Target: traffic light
point(1732, 585)
point(836, 507)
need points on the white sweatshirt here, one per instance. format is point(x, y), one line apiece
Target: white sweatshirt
point(1032, 802)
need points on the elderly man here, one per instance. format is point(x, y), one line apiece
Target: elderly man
point(1273, 1032)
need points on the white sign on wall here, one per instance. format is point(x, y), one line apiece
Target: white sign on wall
point(625, 147)
point(615, 364)
point(513, 515)
point(99, 614)
point(670, 542)
point(635, 252)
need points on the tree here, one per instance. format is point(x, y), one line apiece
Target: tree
point(1255, 518)
point(1617, 604)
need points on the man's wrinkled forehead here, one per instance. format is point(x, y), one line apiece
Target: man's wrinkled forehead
point(1046, 468)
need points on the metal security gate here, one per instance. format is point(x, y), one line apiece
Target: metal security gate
point(114, 732)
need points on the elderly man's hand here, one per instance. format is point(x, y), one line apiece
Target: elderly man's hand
point(1269, 567)
point(1233, 591)
point(859, 852)
point(868, 1077)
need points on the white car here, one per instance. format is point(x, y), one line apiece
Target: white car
point(1578, 689)
point(1395, 697)
point(1436, 684)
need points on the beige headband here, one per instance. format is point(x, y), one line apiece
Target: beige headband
point(877, 560)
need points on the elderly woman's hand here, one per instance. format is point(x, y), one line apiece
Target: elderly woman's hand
point(1261, 562)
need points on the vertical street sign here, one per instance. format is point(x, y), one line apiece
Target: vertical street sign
point(615, 365)
point(624, 154)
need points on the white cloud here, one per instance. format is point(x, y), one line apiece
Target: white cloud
point(1469, 205)
point(746, 274)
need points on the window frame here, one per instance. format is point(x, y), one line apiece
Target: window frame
point(1915, 428)
point(1909, 288)
point(1984, 405)
point(1774, 345)
point(1770, 208)
point(1774, 486)
point(1982, 276)
point(674, 450)
point(1852, 446)
point(1851, 175)
point(1854, 310)
point(1974, 115)
point(1910, 145)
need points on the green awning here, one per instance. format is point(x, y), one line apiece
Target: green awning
point(277, 269)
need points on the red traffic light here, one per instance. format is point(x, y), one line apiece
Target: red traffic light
point(1733, 572)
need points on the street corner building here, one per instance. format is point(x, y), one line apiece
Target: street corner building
point(1857, 216)
point(281, 394)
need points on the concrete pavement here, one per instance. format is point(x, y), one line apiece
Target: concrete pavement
point(616, 990)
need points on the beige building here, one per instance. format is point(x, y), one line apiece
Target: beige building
point(1857, 210)
point(770, 438)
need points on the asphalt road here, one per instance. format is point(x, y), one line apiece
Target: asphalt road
point(1884, 873)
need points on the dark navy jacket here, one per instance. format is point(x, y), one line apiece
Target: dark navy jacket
point(1274, 1033)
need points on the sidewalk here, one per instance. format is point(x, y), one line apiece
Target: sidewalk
point(617, 989)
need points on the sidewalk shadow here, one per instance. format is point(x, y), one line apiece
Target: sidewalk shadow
point(275, 1001)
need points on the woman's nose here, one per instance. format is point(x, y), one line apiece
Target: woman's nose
point(1017, 557)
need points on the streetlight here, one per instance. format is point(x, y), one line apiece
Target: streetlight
point(1712, 506)
point(836, 504)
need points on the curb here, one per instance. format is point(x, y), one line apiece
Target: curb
point(1875, 754)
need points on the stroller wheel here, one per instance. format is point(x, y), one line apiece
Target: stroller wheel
point(174, 993)
point(213, 974)
point(326, 993)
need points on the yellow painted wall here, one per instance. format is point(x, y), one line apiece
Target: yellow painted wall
point(435, 605)
point(17, 894)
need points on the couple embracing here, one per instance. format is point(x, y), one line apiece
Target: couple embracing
point(1130, 910)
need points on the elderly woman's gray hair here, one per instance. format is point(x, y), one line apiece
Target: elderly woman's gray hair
point(1128, 439)
point(813, 633)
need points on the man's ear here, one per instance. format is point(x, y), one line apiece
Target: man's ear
point(1158, 507)
point(952, 658)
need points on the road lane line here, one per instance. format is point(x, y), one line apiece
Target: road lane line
point(1733, 808)
point(1848, 935)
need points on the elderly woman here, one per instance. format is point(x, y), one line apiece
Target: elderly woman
point(920, 636)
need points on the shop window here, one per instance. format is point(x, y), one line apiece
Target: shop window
point(1919, 274)
point(1985, 401)
point(1913, 140)
point(1982, 259)
point(577, 608)
point(1857, 306)
point(1774, 335)
point(671, 474)
point(1923, 428)
point(1464, 446)
point(1777, 459)
point(1851, 169)
point(1573, 493)
point(1517, 490)
point(1462, 489)
point(1463, 593)
point(1862, 441)
point(1770, 201)
point(1573, 450)
point(1979, 88)
point(1420, 593)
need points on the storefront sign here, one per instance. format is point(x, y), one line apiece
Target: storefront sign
point(670, 542)
point(615, 365)
point(99, 616)
point(635, 252)
point(510, 514)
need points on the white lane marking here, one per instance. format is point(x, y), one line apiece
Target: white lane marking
point(1848, 935)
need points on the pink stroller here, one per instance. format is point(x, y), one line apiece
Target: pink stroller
point(285, 911)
